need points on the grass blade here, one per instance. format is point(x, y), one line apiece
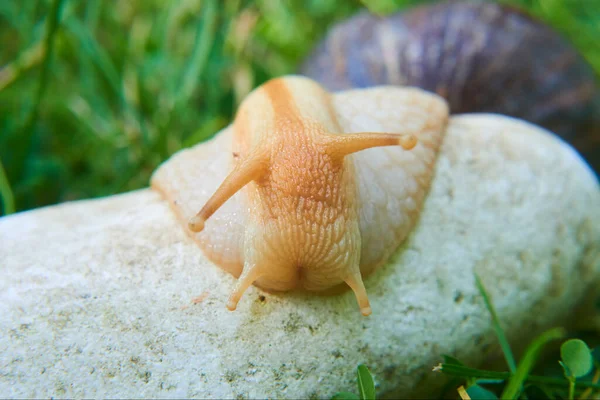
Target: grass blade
point(204, 41)
point(508, 355)
point(366, 386)
point(99, 55)
point(513, 388)
point(54, 17)
point(101, 58)
point(205, 38)
point(466, 372)
point(27, 60)
point(8, 199)
point(29, 127)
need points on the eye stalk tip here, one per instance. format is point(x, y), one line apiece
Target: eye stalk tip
point(408, 141)
point(196, 224)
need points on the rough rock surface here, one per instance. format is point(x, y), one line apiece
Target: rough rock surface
point(110, 298)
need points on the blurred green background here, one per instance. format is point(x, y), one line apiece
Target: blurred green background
point(95, 94)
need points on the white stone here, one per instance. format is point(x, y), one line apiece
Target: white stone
point(96, 297)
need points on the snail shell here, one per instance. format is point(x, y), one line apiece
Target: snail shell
point(481, 57)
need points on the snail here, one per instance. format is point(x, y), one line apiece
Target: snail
point(311, 189)
point(302, 206)
point(479, 56)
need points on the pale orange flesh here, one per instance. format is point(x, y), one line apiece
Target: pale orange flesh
point(303, 228)
point(309, 218)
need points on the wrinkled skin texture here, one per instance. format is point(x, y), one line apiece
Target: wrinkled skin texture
point(287, 202)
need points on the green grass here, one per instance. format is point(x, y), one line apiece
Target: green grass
point(95, 94)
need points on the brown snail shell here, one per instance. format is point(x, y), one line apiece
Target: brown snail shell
point(481, 57)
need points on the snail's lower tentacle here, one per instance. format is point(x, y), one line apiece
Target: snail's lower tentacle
point(250, 274)
point(358, 287)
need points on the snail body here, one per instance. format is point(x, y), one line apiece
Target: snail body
point(306, 215)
